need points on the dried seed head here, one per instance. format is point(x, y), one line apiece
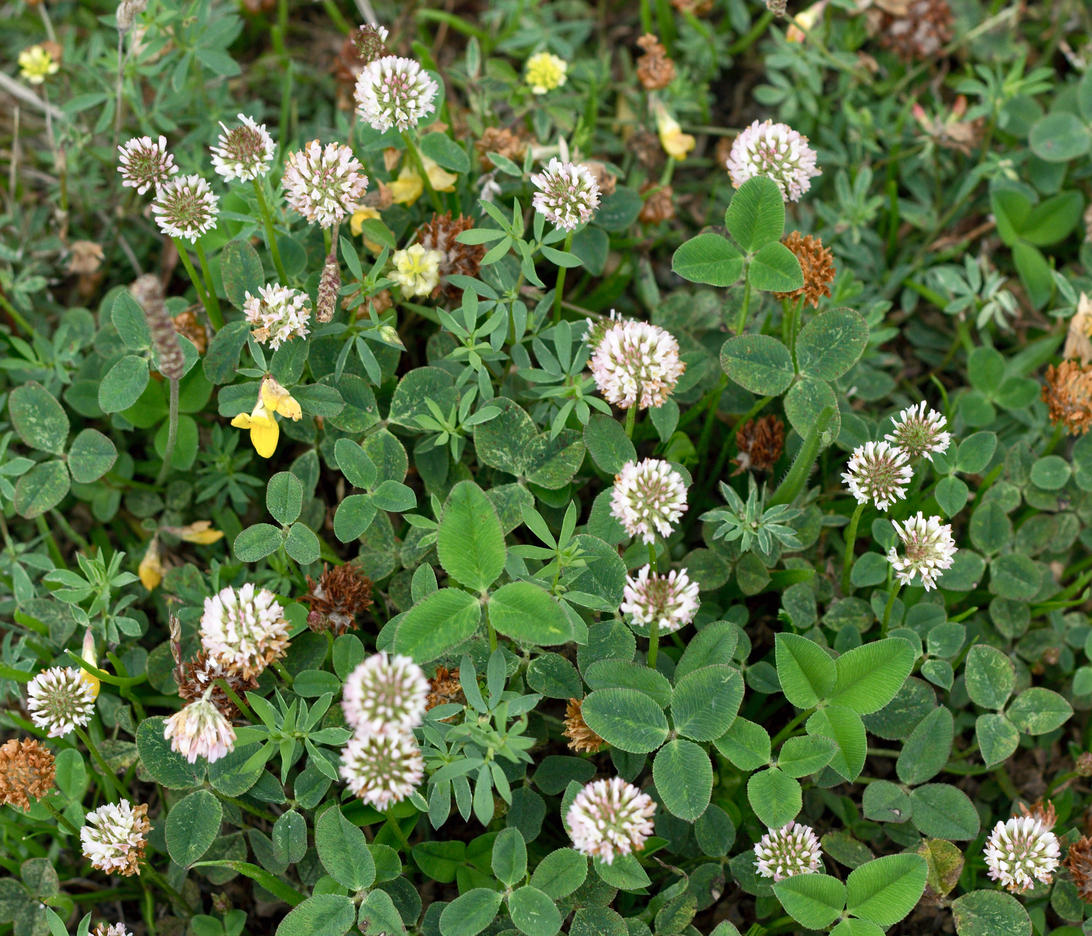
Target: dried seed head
point(340, 594)
point(329, 284)
point(148, 292)
point(502, 142)
point(1068, 396)
point(127, 12)
point(26, 769)
point(187, 324)
point(440, 233)
point(1084, 764)
point(760, 442)
point(1078, 861)
point(200, 677)
point(817, 265)
point(1043, 811)
point(920, 33)
point(370, 42)
point(659, 203)
point(654, 69)
point(445, 688)
point(581, 738)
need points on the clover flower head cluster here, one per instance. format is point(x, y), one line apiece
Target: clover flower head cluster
point(775, 150)
point(114, 929)
point(26, 769)
point(416, 270)
point(244, 629)
point(244, 152)
point(277, 314)
point(636, 364)
point(567, 193)
point(878, 472)
point(114, 837)
point(609, 818)
point(200, 730)
point(60, 699)
point(394, 92)
point(382, 769)
point(919, 430)
point(145, 163)
point(385, 693)
point(185, 207)
point(670, 601)
point(1021, 851)
point(648, 498)
point(928, 546)
point(323, 183)
point(793, 849)
point(545, 71)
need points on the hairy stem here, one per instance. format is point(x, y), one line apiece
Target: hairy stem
point(172, 432)
point(270, 236)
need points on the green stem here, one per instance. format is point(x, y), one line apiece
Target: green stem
point(270, 236)
point(198, 286)
point(16, 317)
point(60, 816)
point(111, 777)
point(161, 882)
point(559, 288)
point(851, 538)
point(789, 728)
point(631, 420)
point(896, 588)
point(236, 699)
point(652, 557)
point(654, 627)
point(419, 165)
point(172, 431)
point(282, 672)
point(393, 823)
point(66, 528)
point(744, 309)
point(51, 544)
point(711, 416)
point(214, 312)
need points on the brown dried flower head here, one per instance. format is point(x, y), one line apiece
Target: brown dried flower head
point(329, 284)
point(187, 324)
point(503, 142)
point(85, 257)
point(1079, 862)
point(1043, 811)
point(604, 178)
point(440, 234)
point(148, 292)
point(659, 203)
point(1068, 396)
point(200, 673)
point(654, 69)
point(444, 688)
point(26, 767)
point(760, 443)
point(581, 738)
point(919, 33)
point(817, 265)
point(340, 594)
point(1084, 764)
point(370, 42)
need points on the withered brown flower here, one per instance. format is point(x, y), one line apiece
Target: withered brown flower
point(440, 234)
point(1068, 396)
point(26, 767)
point(916, 30)
point(1079, 863)
point(502, 141)
point(581, 738)
point(329, 284)
point(659, 203)
point(1044, 812)
point(654, 69)
point(340, 594)
point(200, 673)
point(760, 443)
point(1084, 764)
point(187, 325)
point(445, 687)
point(817, 265)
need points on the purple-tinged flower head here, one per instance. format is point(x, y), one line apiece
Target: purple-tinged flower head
point(244, 629)
point(635, 364)
point(145, 164)
point(648, 498)
point(669, 600)
point(567, 193)
point(244, 152)
point(609, 818)
point(394, 92)
point(324, 184)
point(776, 150)
point(200, 730)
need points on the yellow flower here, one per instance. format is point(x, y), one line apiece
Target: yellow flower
point(89, 657)
point(804, 22)
point(199, 532)
point(416, 270)
point(150, 569)
point(36, 64)
point(408, 187)
point(273, 400)
point(356, 225)
point(545, 72)
point(675, 143)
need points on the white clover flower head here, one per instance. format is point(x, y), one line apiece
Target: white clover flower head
point(394, 92)
point(114, 929)
point(277, 314)
point(776, 150)
point(185, 207)
point(200, 730)
point(636, 364)
point(244, 152)
point(416, 270)
point(793, 849)
point(878, 472)
point(244, 629)
point(323, 184)
point(567, 193)
point(385, 693)
point(669, 600)
point(382, 769)
point(145, 164)
point(1020, 852)
point(919, 431)
point(610, 817)
point(60, 699)
point(929, 549)
point(114, 837)
point(648, 498)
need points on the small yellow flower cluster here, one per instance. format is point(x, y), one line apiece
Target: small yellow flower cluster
point(36, 64)
point(545, 72)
